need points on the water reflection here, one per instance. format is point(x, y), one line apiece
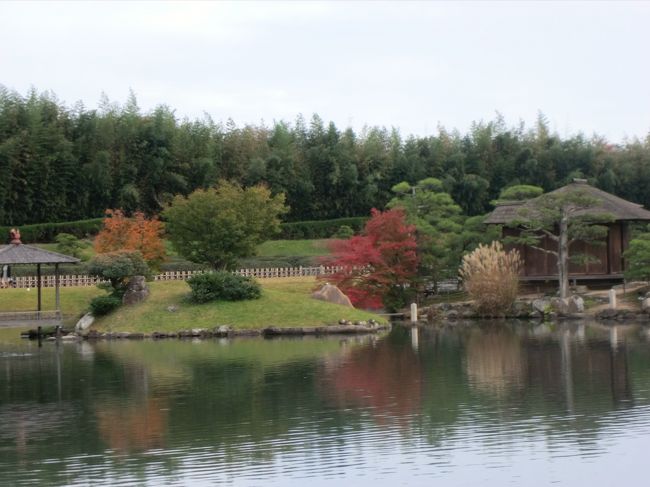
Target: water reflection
point(448, 402)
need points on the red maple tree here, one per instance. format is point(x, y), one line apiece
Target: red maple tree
point(379, 264)
point(136, 233)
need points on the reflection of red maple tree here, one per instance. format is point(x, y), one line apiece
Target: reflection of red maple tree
point(384, 378)
point(382, 258)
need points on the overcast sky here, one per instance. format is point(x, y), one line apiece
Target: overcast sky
point(409, 65)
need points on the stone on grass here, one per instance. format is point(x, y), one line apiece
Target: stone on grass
point(332, 294)
point(85, 322)
point(136, 291)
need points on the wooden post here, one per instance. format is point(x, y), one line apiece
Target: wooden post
point(57, 294)
point(38, 275)
point(414, 313)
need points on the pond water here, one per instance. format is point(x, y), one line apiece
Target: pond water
point(489, 404)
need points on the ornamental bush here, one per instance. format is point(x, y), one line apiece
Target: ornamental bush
point(344, 231)
point(102, 305)
point(118, 268)
point(222, 286)
point(490, 275)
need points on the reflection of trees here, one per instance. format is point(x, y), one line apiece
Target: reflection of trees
point(135, 426)
point(494, 360)
point(386, 378)
point(258, 400)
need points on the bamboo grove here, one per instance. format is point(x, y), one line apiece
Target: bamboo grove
point(60, 163)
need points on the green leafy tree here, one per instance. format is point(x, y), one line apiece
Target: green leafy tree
point(519, 192)
point(564, 218)
point(438, 221)
point(68, 244)
point(218, 226)
point(638, 257)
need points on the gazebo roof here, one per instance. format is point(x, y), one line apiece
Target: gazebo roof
point(14, 254)
point(619, 208)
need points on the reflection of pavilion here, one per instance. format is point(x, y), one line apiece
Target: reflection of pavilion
point(563, 363)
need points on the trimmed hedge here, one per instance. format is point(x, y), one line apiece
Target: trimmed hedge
point(319, 228)
point(222, 286)
point(46, 232)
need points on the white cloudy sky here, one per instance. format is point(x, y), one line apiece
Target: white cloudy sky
point(409, 65)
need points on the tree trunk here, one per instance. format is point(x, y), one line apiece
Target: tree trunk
point(563, 256)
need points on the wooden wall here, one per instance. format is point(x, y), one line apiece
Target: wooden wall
point(607, 257)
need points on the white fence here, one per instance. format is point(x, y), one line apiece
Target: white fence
point(263, 273)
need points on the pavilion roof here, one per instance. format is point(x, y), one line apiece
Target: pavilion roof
point(14, 254)
point(619, 208)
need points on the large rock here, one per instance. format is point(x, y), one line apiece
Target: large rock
point(542, 306)
point(645, 304)
point(85, 322)
point(576, 304)
point(568, 306)
point(332, 294)
point(136, 291)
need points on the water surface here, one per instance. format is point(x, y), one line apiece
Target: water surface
point(494, 404)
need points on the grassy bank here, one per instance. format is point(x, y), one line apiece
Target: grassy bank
point(284, 302)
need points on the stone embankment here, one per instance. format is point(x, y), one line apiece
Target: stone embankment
point(539, 309)
point(224, 331)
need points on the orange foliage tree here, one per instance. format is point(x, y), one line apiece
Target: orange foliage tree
point(135, 233)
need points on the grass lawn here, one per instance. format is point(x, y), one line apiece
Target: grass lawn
point(270, 248)
point(74, 300)
point(284, 302)
point(293, 248)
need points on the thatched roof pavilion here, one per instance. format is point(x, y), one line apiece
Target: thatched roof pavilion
point(17, 253)
point(619, 208)
point(609, 263)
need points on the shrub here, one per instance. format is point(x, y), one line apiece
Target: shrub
point(222, 286)
point(490, 276)
point(344, 231)
point(102, 305)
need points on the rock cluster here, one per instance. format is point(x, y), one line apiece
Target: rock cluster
point(223, 331)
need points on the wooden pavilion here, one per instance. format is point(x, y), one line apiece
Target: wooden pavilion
point(608, 264)
point(17, 253)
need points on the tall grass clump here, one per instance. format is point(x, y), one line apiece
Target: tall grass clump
point(490, 276)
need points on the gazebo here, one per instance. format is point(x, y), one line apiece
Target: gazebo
point(17, 253)
point(608, 262)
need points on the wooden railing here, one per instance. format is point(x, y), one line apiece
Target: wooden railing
point(262, 273)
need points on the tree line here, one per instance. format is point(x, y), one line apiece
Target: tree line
point(60, 163)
